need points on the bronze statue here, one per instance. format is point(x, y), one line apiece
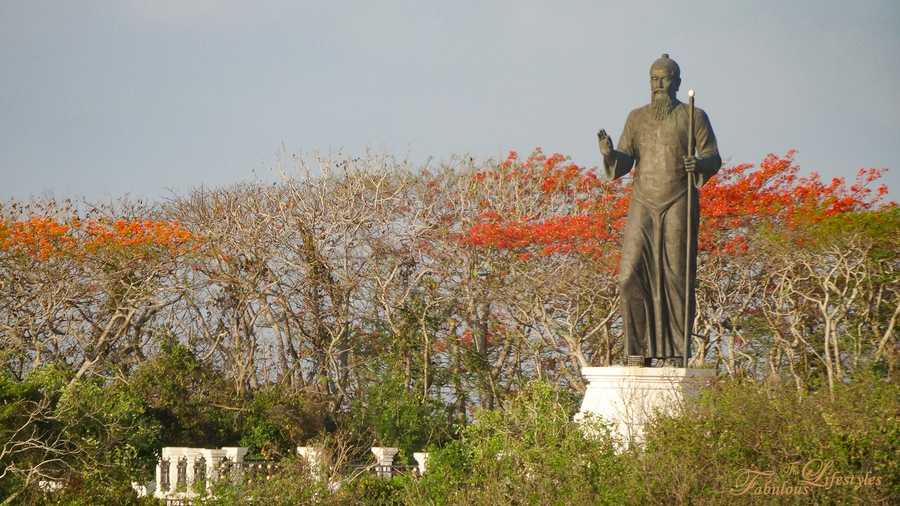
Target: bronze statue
point(657, 142)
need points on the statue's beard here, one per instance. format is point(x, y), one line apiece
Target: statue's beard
point(663, 104)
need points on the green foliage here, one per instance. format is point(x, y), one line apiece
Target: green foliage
point(278, 419)
point(291, 486)
point(92, 435)
point(109, 425)
point(863, 428)
point(19, 400)
point(742, 427)
point(388, 414)
point(81, 494)
point(186, 398)
point(369, 489)
point(448, 470)
point(529, 453)
point(881, 226)
point(195, 407)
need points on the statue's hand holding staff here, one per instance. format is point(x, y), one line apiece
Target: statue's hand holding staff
point(690, 163)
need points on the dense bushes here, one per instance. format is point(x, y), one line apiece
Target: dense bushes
point(184, 396)
point(390, 414)
point(712, 453)
point(740, 442)
point(92, 437)
point(96, 435)
point(196, 407)
point(719, 445)
point(293, 485)
point(529, 453)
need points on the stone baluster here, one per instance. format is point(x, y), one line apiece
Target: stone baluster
point(163, 476)
point(181, 483)
point(169, 471)
point(198, 475)
point(212, 459)
point(166, 472)
point(236, 454)
point(189, 472)
point(177, 468)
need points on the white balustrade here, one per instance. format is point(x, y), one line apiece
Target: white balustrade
point(177, 469)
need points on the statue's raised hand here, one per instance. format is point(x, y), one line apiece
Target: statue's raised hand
point(606, 145)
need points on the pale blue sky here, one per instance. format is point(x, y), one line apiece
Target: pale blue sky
point(105, 98)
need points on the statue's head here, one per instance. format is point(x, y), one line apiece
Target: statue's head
point(665, 78)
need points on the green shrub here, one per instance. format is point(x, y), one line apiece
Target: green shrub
point(91, 435)
point(188, 399)
point(718, 446)
point(277, 419)
point(388, 414)
point(529, 453)
point(738, 434)
point(292, 485)
point(372, 490)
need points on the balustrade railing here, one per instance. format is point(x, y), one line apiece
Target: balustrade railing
point(185, 474)
point(249, 470)
point(384, 470)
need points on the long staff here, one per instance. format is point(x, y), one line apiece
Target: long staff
point(688, 279)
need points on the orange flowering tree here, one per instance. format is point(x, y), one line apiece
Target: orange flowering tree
point(545, 205)
point(75, 290)
point(468, 278)
point(560, 207)
point(741, 198)
point(545, 212)
point(547, 231)
point(42, 237)
point(756, 220)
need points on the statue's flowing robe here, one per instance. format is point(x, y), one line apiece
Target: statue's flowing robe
point(654, 249)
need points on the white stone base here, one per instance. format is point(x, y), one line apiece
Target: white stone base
point(627, 397)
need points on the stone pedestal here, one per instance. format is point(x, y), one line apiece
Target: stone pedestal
point(421, 460)
point(627, 397)
point(384, 458)
point(235, 453)
point(313, 458)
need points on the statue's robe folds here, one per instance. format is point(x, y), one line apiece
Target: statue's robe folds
point(652, 267)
